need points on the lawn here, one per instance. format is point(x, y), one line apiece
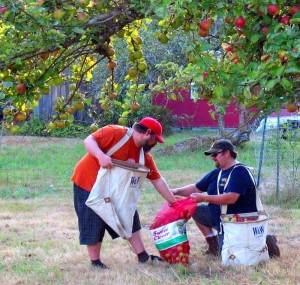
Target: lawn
point(38, 226)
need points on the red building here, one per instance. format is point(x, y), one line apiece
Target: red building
point(192, 113)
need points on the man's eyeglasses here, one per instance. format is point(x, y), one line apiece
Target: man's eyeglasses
point(215, 154)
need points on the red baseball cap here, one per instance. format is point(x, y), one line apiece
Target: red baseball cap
point(154, 126)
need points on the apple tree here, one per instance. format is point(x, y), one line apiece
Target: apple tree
point(247, 51)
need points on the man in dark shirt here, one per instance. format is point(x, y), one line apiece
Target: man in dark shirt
point(239, 195)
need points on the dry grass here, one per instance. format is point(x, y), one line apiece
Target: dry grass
point(39, 245)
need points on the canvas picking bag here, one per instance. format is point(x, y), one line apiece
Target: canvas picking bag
point(244, 234)
point(115, 194)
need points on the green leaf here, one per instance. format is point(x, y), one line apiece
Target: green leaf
point(2, 95)
point(295, 21)
point(125, 114)
point(18, 61)
point(206, 47)
point(88, 101)
point(292, 69)
point(78, 30)
point(7, 84)
point(255, 38)
point(270, 84)
point(172, 96)
point(286, 84)
point(212, 114)
point(219, 90)
point(222, 110)
point(277, 71)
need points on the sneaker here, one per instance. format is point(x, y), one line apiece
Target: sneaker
point(152, 258)
point(99, 264)
point(273, 248)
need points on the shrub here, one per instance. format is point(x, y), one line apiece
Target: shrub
point(37, 127)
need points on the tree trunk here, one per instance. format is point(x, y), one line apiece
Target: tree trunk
point(221, 123)
point(243, 118)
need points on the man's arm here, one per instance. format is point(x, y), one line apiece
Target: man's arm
point(92, 148)
point(163, 189)
point(186, 190)
point(222, 199)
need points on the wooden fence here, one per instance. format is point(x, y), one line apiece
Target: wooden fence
point(44, 110)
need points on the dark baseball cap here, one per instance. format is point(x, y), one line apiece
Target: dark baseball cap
point(154, 126)
point(218, 145)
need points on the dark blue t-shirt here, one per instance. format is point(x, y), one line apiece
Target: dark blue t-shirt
point(240, 182)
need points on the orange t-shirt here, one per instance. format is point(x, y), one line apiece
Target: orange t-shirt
point(86, 170)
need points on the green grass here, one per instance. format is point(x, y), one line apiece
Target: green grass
point(33, 167)
point(37, 168)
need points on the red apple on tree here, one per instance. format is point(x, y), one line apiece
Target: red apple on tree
point(205, 25)
point(203, 33)
point(265, 30)
point(111, 64)
point(294, 10)
point(264, 57)
point(283, 56)
point(260, 12)
point(229, 49)
point(4, 9)
point(21, 116)
point(285, 20)
point(291, 107)
point(273, 9)
point(240, 22)
point(112, 95)
point(21, 89)
point(229, 20)
point(205, 75)
point(135, 106)
point(81, 16)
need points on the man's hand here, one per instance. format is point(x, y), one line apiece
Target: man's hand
point(105, 161)
point(197, 197)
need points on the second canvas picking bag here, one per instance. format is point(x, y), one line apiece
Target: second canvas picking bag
point(244, 234)
point(115, 194)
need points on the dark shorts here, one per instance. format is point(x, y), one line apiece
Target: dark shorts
point(202, 216)
point(91, 226)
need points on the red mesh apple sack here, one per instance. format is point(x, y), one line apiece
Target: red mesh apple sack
point(168, 231)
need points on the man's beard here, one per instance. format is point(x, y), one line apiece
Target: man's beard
point(147, 147)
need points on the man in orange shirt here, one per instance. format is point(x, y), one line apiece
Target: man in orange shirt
point(146, 134)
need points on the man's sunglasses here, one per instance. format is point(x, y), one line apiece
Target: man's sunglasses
point(215, 154)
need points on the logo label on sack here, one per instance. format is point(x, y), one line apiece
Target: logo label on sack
point(134, 181)
point(169, 235)
point(258, 231)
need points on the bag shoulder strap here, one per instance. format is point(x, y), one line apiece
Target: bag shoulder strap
point(122, 141)
point(259, 205)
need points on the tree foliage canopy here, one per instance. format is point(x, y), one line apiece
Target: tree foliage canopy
point(247, 50)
